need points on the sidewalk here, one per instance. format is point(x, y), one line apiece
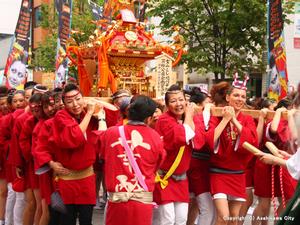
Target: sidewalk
point(98, 215)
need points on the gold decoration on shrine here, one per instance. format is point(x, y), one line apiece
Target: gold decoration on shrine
point(120, 48)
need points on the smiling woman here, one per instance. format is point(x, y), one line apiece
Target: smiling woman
point(71, 128)
point(177, 128)
point(175, 101)
point(229, 159)
point(236, 98)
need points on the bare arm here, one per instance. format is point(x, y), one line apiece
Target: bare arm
point(221, 126)
point(276, 120)
point(272, 160)
point(86, 120)
point(260, 125)
point(235, 122)
point(189, 114)
point(58, 168)
point(292, 124)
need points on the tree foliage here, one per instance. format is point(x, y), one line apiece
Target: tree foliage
point(222, 35)
point(45, 53)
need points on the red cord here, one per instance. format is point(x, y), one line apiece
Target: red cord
point(281, 188)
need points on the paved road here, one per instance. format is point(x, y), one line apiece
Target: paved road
point(98, 216)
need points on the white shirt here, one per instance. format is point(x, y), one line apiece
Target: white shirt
point(189, 133)
point(293, 165)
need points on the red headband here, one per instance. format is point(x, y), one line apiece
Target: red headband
point(37, 88)
point(71, 96)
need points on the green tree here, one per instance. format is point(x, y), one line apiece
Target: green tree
point(44, 55)
point(222, 35)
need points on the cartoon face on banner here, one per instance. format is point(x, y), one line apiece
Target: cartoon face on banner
point(15, 69)
point(274, 87)
point(60, 75)
point(61, 68)
point(16, 74)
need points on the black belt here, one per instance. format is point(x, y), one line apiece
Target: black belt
point(175, 177)
point(225, 171)
point(200, 155)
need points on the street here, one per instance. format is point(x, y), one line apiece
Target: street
point(98, 216)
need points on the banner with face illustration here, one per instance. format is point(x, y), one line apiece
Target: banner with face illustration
point(97, 11)
point(278, 77)
point(64, 11)
point(15, 68)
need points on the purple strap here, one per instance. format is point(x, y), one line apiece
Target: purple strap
point(132, 160)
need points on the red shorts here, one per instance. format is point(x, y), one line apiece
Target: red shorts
point(230, 184)
point(129, 213)
point(198, 176)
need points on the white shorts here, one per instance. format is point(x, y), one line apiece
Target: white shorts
point(228, 197)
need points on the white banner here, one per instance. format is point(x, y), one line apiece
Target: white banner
point(164, 74)
point(297, 26)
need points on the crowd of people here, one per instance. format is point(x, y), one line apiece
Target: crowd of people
point(164, 162)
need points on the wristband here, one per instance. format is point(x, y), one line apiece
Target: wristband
point(101, 119)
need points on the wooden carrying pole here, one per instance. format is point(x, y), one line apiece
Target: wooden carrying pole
point(105, 102)
point(217, 111)
point(273, 149)
point(251, 148)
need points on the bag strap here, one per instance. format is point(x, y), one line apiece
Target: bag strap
point(132, 160)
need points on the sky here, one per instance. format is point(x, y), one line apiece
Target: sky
point(9, 11)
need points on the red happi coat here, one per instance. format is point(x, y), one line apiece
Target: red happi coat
point(26, 145)
point(15, 156)
point(263, 172)
point(111, 117)
point(119, 175)
point(6, 130)
point(5, 124)
point(35, 133)
point(74, 152)
point(198, 173)
point(174, 137)
point(42, 154)
point(225, 156)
